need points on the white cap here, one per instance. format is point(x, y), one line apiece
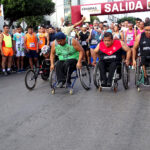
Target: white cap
point(84, 26)
point(105, 24)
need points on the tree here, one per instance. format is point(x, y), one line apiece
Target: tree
point(33, 21)
point(16, 9)
point(130, 19)
point(94, 18)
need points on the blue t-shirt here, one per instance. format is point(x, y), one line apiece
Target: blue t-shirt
point(19, 38)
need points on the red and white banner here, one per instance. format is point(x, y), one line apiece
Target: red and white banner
point(119, 7)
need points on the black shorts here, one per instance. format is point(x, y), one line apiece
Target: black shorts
point(86, 48)
point(130, 46)
point(32, 54)
point(145, 60)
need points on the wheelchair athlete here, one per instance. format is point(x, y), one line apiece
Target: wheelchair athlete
point(143, 42)
point(110, 54)
point(70, 55)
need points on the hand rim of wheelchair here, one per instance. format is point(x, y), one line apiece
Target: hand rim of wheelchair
point(84, 85)
point(125, 79)
point(34, 78)
point(125, 75)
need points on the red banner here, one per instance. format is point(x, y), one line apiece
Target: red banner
point(120, 7)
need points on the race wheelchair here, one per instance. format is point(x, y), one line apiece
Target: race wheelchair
point(139, 73)
point(121, 72)
point(43, 70)
point(83, 74)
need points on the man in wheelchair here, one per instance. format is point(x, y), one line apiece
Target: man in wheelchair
point(110, 55)
point(143, 43)
point(70, 55)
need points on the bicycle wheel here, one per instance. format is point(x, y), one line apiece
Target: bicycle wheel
point(30, 79)
point(125, 75)
point(85, 76)
point(96, 76)
point(45, 74)
point(45, 70)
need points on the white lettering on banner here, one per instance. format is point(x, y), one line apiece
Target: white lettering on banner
point(139, 5)
point(115, 8)
point(121, 9)
point(107, 8)
point(129, 6)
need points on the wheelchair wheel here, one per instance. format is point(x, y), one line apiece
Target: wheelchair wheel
point(125, 76)
point(96, 76)
point(53, 79)
point(85, 76)
point(30, 79)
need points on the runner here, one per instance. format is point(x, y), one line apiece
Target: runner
point(94, 39)
point(6, 50)
point(67, 27)
point(141, 28)
point(31, 45)
point(18, 43)
point(83, 37)
point(117, 35)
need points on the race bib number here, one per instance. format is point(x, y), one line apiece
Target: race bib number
point(110, 57)
point(32, 45)
point(94, 42)
point(84, 43)
point(129, 39)
point(41, 42)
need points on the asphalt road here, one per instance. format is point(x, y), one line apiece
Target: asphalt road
point(37, 120)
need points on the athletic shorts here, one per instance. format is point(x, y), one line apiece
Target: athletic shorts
point(86, 48)
point(130, 46)
point(93, 46)
point(20, 54)
point(7, 51)
point(32, 54)
point(145, 60)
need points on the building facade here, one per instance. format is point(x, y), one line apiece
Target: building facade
point(63, 9)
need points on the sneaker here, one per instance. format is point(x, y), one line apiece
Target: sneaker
point(146, 81)
point(19, 71)
point(68, 84)
point(104, 84)
point(60, 85)
point(109, 84)
point(5, 73)
point(8, 72)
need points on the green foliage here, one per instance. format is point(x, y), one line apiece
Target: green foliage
point(16, 9)
point(94, 18)
point(130, 19)
point(33, 21)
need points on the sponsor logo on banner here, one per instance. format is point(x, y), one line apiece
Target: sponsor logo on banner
point(148, 4)
point(91, 9)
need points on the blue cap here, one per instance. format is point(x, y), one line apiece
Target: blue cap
point(60, 36)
